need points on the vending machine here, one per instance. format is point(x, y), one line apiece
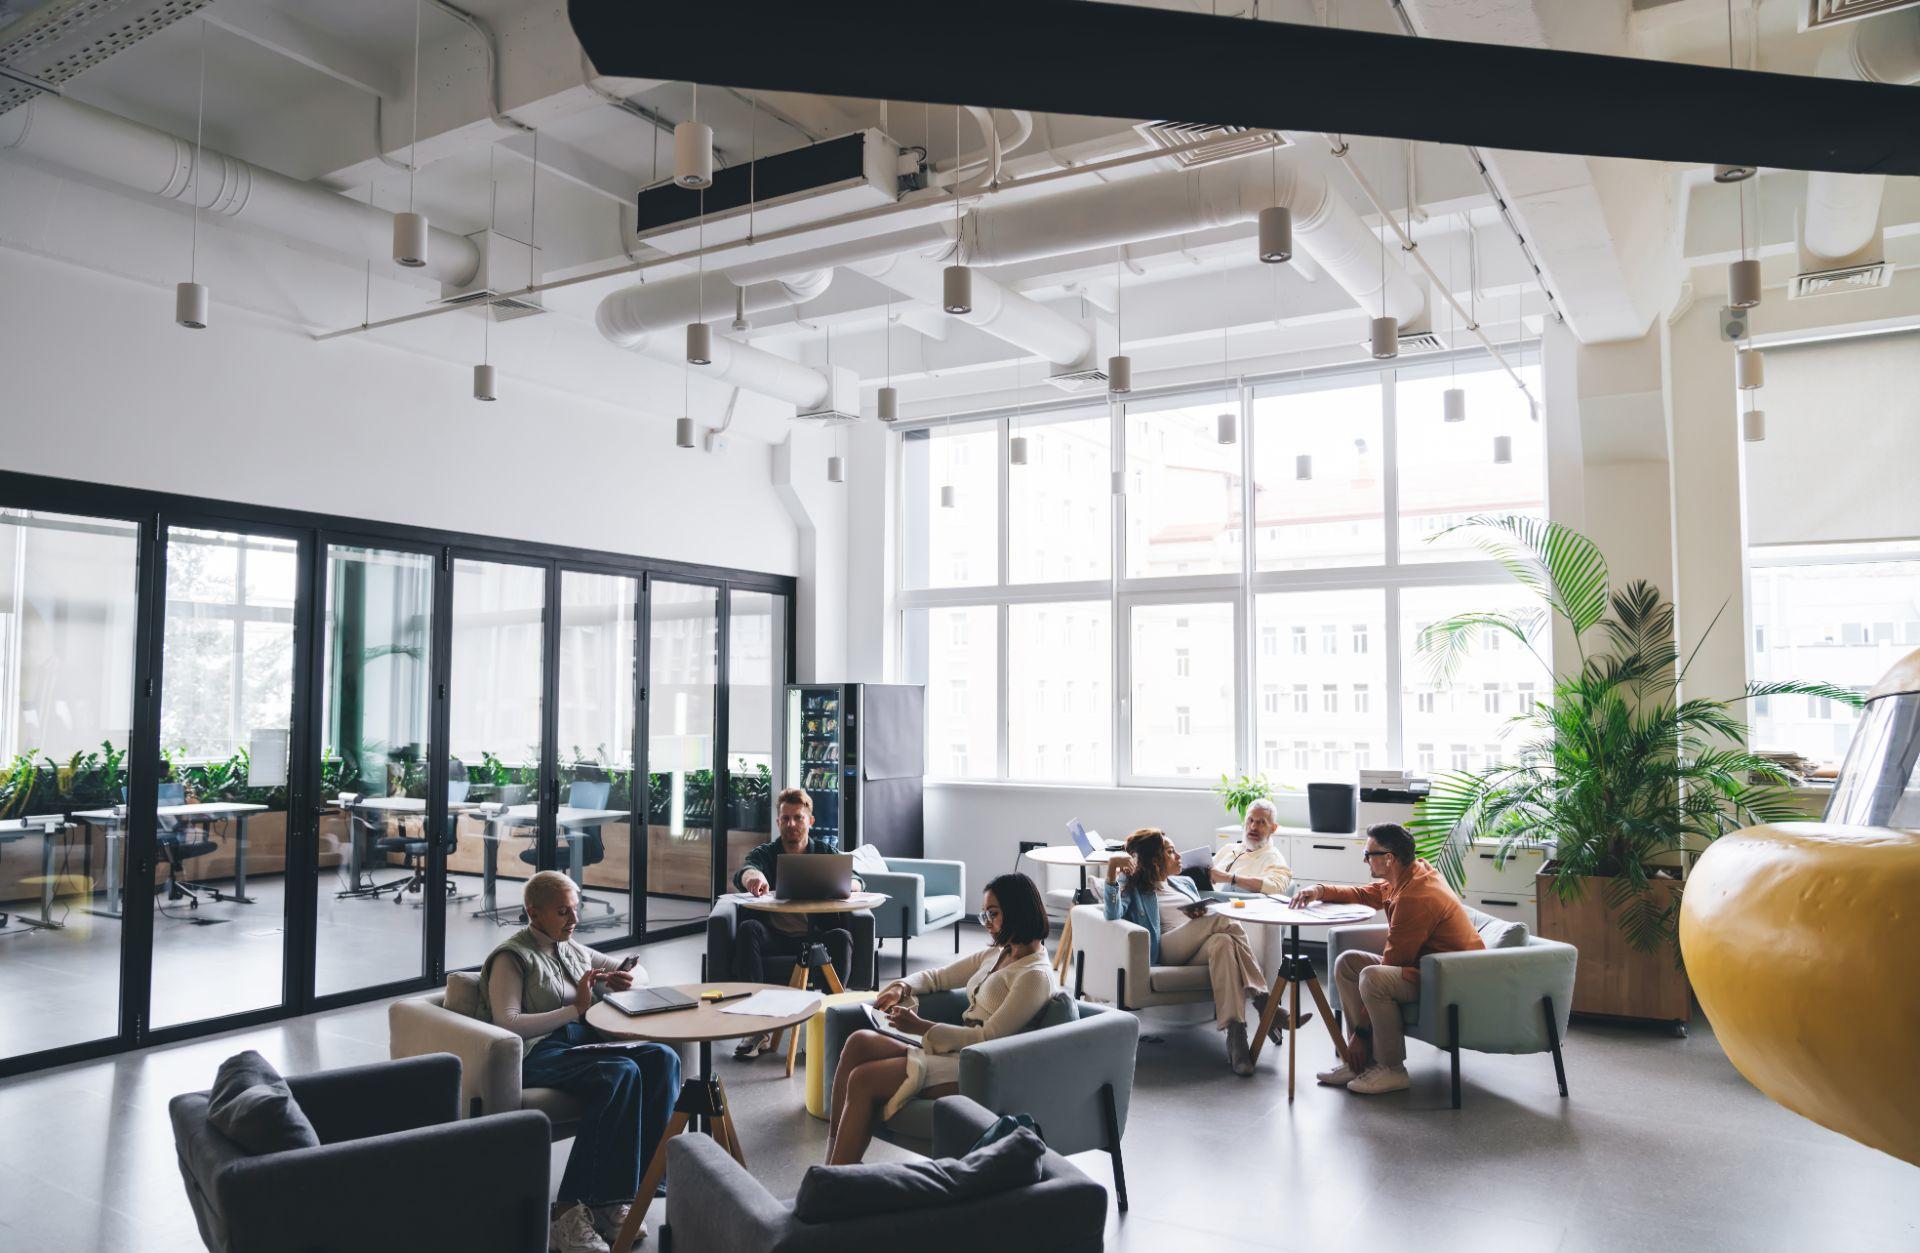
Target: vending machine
point(859, 750)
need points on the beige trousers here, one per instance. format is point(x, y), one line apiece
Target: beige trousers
point(1222, 944)
point(1372, 994)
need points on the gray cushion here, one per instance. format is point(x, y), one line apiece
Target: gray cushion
point(867, 860)
point(1498, 932)
point(463, 994)
point(250, 1104)
point(834, 1193)
point(1060, 1009)
point(940, 907)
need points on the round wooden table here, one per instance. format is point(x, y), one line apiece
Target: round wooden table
point(703, 1097)
point(1296, 969)
point(1070, 855)
point(814, 955)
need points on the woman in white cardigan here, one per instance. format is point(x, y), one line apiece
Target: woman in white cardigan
point(1007, 985)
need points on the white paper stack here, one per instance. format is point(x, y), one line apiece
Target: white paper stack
point(773, 1003)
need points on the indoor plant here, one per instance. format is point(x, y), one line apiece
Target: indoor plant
point(1239, 794)
point(1615, 777)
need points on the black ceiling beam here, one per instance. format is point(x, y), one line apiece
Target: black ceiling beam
point(1120, 61)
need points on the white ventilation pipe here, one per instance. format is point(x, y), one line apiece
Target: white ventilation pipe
point(60, 131)
point(1224, 194)
point(1005, 314)
point(648, 319)
point(1843, 210)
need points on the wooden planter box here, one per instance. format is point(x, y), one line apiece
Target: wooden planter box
point(1612, 976)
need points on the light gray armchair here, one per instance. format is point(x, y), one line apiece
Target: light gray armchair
point(1112, 964)
point(923, 895)
point(1514, 998)
point(1075, 1078)
point(715, 1204)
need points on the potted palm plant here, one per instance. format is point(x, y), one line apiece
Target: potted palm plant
point(1617, 778)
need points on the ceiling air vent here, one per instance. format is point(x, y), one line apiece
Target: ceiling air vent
point(1220, 142)
point(1080, 382)
point(1817, 13)
point(1847, 278)
point(54, 41)
point(1413, 343)
point(500, 308)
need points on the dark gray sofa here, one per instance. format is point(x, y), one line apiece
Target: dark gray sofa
point(715, 1205)
point(396, 1169)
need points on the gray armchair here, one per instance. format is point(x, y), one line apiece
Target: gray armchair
point(391, 1140)
point(923, 895)
point(715, 1204)
point(1075, 1078)
point(1112, 965)
point(1512, 999)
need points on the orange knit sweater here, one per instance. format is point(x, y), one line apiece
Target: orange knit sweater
point(1423, 916)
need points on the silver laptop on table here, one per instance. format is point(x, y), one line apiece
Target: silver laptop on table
point(813, 877)
point(1089, 843)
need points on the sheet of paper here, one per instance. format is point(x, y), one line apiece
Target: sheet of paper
point(773, 1003)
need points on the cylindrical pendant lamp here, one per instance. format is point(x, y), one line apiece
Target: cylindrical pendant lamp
point(410, 240)
point(1225, 428)
point(699, 344)
point(1384, 341)
point(483, 382)
point(836, 470)
point(1303, 467)
point(946, 496)
point(1453, 404)
point(1120, 374)
point(1276, 234)
point(1743, 283)
point(1753, 425)
point(1750, 370)
point(956, 289)
point(693, 155)
point(889, 404)
point(1017, 450)
point(190, 305)
point(1503, 450)
point(683, 432)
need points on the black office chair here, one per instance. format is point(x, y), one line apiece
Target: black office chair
point(583, 794)
point(414, 848)
point(180, 842)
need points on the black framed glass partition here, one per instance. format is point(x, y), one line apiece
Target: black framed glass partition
point(68, 609)
point(256, 762)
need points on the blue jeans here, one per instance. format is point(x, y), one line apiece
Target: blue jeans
point(629, 1095)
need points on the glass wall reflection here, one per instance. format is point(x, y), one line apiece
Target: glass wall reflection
point(756, 676)
point(226, 715)
point(494, 730)
point(68, 604)
point(375, 746)
point(682, 669)
point(599, 636)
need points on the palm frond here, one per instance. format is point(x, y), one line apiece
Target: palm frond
point(1564, 567)
point(1445, 644)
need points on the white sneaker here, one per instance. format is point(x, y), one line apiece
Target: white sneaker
point(573, 1232)
point(1378, 1079)
point(607, 1220)
point(1339, 1077)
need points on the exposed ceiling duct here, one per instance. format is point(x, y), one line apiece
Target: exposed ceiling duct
point(647, 318)
point(1160, 205)
point(1841, 229)
point(79, 138)
point(51, 42)
point(997, 309)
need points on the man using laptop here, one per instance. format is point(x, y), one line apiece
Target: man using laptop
point(783, 935)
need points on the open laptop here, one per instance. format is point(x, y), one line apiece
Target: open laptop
point(1089, 842)
point(813, 877)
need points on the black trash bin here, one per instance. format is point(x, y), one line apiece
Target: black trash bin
point(1330, 807)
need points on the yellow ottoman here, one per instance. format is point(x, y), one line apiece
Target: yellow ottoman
point(817, 1049)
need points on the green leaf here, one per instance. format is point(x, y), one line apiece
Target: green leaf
point(1562, 566)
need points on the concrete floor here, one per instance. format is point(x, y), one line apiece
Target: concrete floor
point(1662, 1146)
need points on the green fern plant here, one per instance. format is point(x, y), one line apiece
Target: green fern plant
point(1615, 775)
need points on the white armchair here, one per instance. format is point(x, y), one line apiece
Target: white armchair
point(1111, 966)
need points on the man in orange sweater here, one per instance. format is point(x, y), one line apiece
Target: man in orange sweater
point(1423, 916)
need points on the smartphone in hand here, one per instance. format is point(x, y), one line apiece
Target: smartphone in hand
point(631, 961)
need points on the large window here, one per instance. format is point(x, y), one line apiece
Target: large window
point(1839, 613)
point(1076, 626)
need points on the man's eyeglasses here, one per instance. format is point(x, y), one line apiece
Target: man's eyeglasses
point(1369, 856)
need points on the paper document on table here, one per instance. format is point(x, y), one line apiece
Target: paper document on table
point(773, 1003)
point(1322, 909)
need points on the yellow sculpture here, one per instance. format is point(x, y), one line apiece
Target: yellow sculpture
point(1800, 938)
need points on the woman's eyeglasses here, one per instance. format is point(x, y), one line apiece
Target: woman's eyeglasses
point(987, 917)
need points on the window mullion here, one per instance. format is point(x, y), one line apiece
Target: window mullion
point(1390, 464)
point(1396, 687)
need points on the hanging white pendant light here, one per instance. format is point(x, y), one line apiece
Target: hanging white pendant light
point(1017, 450)
point(1120, 374)
point(1743, 283)
point(1753, 425)
point(699, 344)
point(1453, 404)
point(683, 432)
point(410, 228)
point(190, 297)
point(956, 289)
point(837, 473)
point(190, 305)
point(1384, 341)
point(1276, 234)
point(1732, 173)
point(1502, 450)
point(693, 150)
point(889, 404)
point(483, 381)
point(946, 496)
point(1225, 428)
point(1303, 467)
point(1226, 422)
point(1750, 369)
point(1119, 365)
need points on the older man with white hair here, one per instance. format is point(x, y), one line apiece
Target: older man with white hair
point(1251, 863)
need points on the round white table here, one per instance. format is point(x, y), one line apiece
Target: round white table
point(1070, 855)
point(703, 1097)
point(1295, 968)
